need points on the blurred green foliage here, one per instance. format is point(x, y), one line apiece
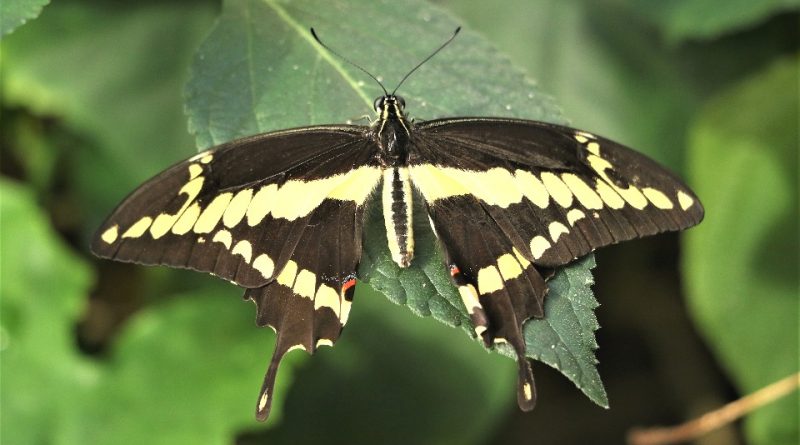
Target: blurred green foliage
point(93, 104)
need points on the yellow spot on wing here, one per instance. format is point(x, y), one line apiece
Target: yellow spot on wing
point(684, 200)
point(287, 275)
point(164, 221)
point(495, 186)
point(470, 297)
point(206, 159)
point(327, 296)
point(162, 224)
point(211, 215)
point(295, 348)
point(138, 228)
point(324, 342)
point(346, 305)
point(586, 196)
point(237, 208)
point(593, 148)
point(297, 198)
point(609, 196)
point(509, 267)
point(557, 229)
point(532, 188)
point(557, 189)
point(539, 245)
point(110, 235)
point(262, 402)
point(574, 215)
point(261, 204)
point(194, 171)
point(264, 264)
point(489, 280)
point(527, 391)
point(633, 196)
point(187, 219)
point(522, 260)
point(356, 185)
point(435, 182)
point(224, 237)
point(305, 284)
point(658, 198)
point(243, 248)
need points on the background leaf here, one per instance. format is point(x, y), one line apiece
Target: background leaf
point(14, 13)
point(682, 20)
point(176, 365)
point(104, 72)
point(233, 91)
point(742, 262)
point(43, 290)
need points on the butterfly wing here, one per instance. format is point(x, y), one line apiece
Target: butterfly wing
point(222, 209)
point(280, 214)
point(510, 199)
point(556, 192)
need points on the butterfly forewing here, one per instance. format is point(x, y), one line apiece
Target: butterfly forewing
point(235, 211)
point(557, 193)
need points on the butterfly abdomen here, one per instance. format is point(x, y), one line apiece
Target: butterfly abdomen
point(397, 214)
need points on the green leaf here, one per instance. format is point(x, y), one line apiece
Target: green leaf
point(260, 70)
point(564, 339)
point(15, 13)
point(741, 263)
point(187, 371)
point(44, 287)
point(192, 361)
point(682, 20)
point(110, 73)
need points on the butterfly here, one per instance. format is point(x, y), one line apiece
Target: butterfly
point(281, 214)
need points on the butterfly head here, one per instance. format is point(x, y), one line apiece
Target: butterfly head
point(389, 106)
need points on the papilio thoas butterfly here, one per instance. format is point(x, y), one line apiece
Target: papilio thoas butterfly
point(281, 215)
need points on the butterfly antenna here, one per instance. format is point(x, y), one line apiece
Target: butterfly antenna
point(455, 33)
point(330, 50)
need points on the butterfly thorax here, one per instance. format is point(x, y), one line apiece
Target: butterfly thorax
point(392, 132)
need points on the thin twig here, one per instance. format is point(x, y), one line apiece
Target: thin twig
point(714, 419)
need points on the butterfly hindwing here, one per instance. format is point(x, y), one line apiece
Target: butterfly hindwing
point(309, 302)
point(499, 287)
point(557, 193)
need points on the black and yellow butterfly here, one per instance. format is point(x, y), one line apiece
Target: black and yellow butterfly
point(281, 214)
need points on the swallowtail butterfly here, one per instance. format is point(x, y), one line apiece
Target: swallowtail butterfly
point(281, 215)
